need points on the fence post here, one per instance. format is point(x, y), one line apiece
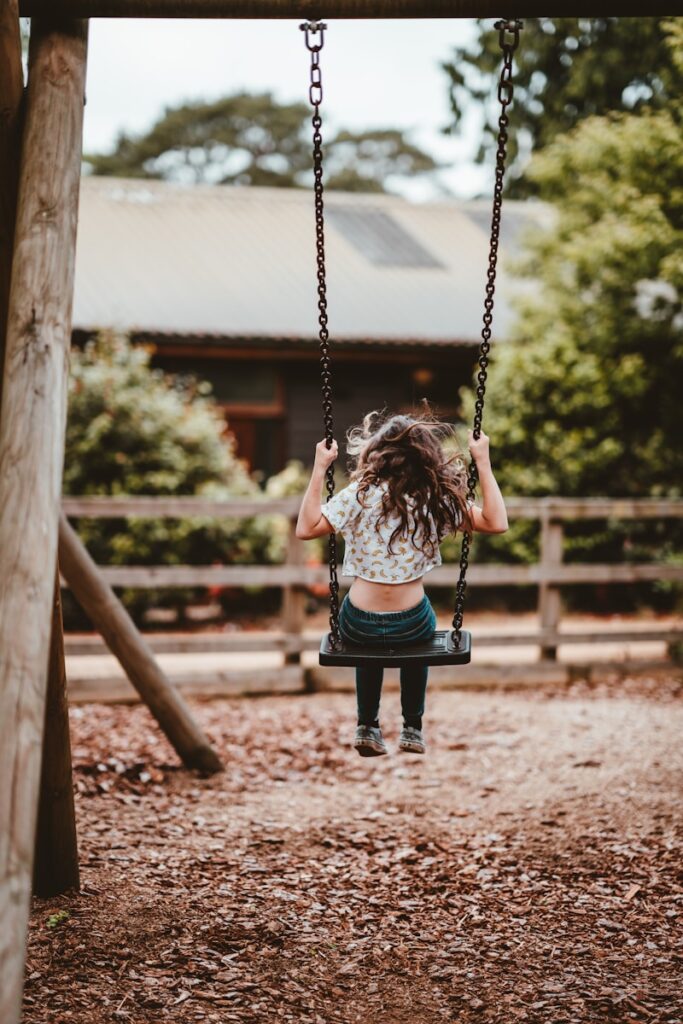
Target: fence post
point(293, 597)
point(549, 594)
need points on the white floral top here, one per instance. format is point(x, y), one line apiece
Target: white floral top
point(367, 552)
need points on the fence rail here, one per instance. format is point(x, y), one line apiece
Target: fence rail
point(100, 507)
point(549, 574)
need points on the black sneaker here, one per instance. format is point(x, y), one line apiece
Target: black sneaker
point(411, 740)
point(369, 742)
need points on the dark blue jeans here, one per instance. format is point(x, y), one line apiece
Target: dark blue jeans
point(394, 628)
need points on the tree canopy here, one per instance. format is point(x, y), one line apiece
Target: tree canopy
point(566, 69)
point(584, 398)
point(253, 140)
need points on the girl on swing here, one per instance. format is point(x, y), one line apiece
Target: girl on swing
point(404, 497)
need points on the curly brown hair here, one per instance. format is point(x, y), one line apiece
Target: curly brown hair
point(424, 485)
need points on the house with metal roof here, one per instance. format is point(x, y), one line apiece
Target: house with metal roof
point(221, 282)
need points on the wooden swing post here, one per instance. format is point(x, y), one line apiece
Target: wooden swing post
point(56, 851)
point(32, 426)
point(11, 93)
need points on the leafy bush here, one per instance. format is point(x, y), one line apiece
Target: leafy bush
point(132, 430)
point(585, 397)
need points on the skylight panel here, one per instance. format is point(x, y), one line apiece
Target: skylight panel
point(380, 238)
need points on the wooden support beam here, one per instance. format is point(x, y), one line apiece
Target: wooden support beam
point(112, 620)
point(301, 9)
point(11, 93)
point(55, 868)
point(32, 425)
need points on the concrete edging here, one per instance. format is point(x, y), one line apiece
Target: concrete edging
point(296, 679)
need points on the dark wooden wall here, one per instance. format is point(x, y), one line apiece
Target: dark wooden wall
point(373, 378)
point(359, 387)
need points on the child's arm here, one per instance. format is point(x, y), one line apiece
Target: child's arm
point(311, 522)
point(492, 516)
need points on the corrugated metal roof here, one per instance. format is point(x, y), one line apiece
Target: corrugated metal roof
point(227, 261)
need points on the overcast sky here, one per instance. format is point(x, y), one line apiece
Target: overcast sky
point(375, 73)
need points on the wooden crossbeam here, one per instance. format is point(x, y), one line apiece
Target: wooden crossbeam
point(305, 9)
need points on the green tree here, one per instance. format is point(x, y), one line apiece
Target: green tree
point(241, 139)
point(367, 161)
point(133, 430)
point(585, 398)
point(253, 140)
point(566, 69)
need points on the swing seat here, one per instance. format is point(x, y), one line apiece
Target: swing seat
point(440, 650)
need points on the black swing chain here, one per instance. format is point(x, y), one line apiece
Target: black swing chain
point(508, 40)
point(315, 37)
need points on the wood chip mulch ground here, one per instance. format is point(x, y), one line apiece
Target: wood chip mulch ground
point(527, 869)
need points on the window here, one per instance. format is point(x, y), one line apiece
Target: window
point(244, 383)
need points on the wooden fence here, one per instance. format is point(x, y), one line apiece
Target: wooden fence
point(550, 574)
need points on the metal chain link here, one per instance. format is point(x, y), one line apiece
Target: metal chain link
point(508, 40)
point(315, 38)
